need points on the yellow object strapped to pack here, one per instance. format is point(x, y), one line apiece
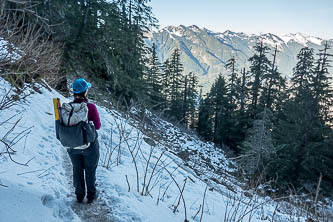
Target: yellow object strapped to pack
point(56, 106)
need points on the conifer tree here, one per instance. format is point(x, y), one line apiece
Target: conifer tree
point(154, 80)
point(274, 83)
point(321, 82)
point(104, 39)
point(260, 66)
point(205, 120)
point(237, 96)
point(166, 84)
point(301, 135)
point(242, 119)
point(303, 72)
point(243, 91)
point(190, 99)
point(232, 85)
point(193, 96)
point(220, 105)
point(296, 133)
point(177, 85)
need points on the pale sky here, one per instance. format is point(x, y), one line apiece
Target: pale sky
point(310, 17)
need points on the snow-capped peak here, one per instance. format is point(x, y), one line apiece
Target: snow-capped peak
point(268, 38)
point(175, 30)
point(195, 28)
point(272, 40)
point(231, 34)
point(228, 32)
point(301, 38)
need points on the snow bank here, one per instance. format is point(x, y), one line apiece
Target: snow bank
point(37, 192)
point(8, 51)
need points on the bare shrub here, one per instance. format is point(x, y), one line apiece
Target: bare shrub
point(11, 136)
point(10, 139)
point(26, 55)
point(25, 52)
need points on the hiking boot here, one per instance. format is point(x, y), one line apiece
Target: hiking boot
point(79, 198)
point(91, 197)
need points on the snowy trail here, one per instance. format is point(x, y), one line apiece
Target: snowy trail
point(98, 211)
point(43, 190)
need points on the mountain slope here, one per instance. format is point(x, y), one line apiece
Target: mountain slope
point(139, 178)
point(205, 52)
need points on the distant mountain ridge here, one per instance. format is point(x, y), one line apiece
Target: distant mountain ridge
point(205, 52)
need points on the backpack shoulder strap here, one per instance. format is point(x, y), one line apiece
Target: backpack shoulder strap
point(70, 114)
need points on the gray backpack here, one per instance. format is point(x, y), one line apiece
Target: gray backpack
point(73, 129)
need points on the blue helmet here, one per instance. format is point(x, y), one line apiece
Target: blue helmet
point(80, 85)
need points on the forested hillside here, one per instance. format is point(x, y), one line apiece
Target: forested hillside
point(277, 130)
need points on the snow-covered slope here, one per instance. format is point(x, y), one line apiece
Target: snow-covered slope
point(38, 191)
point(42, 190)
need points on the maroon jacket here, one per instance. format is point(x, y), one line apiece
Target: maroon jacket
point(92, 112)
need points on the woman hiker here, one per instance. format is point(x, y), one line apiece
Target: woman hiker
point(85, 161)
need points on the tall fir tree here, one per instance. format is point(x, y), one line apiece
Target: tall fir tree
point(232, 85)
point(205, 120)
point(242, 118)
point(176, 85)
point(166, 84)
point(321, 84)
point(190, 99)
point(221, 115)
point(260, 66)
point(303, 71)
point(274, 84)
point(154, 80)
point(237, 96)
point(243, 92)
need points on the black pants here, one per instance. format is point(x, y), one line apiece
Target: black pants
point(84, 169)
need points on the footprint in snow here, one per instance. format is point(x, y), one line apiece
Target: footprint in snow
point(47, 200)
point(60, 208)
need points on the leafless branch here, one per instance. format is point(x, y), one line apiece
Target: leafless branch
point(25, 52)
point(152, 173)
point(203, 203)
point(146, 171)
point(129, 187)
point(197, 212)
point(181, 193)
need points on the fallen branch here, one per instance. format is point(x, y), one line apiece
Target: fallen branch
point(3, 185)
point(34, 171)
